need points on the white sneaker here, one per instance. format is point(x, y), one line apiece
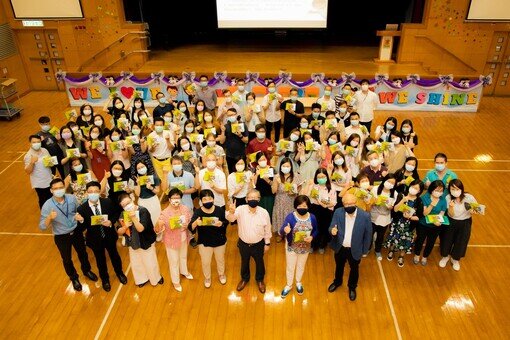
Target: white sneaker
point(223, 279)
point(416, 259)
point(456, 265)
point(178, 287)
point(444, 261)
point(207, 283)
point(423, 261)
point(188, 276)
point(378, 256)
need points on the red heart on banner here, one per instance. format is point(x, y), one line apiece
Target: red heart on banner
point(127, 91)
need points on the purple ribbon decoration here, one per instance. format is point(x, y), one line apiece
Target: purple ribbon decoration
point(486, 80)
point(381, 78)
point(188, 76)
point(348, 77)
point(446, 79)
point(60, 76)
point(413, 78)
point(96, 76)
point(252, 76)
point(157, 76)
point(125, 75)
point(317, 77)
point(284, 77)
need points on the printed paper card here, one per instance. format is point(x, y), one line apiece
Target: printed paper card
point(349, 150)
point(257, 108)
point(299, 236)
point(314, 193)
point(209, 221)
point(70, 153)
point(382, 200)
point(324, 106)
point(176, 113)
point(303, 131)
point(477, 207)
point(288, 187)
point(70, 114)
point(196, 138)
point(272, 96)
point(116, 146)
point(331, 123)
point(266, 172)
point(176, 222)
point(286, 145)
point(431, 219)
point(54, 131)
point(364, 129)
point(86, 130)
point(187, 155)
point(97, 144)
point(404, 208)
point(316, 122)
point(362, 193)
point(178, 184)
point(147, 121)
point(252, 157)
point(144, 180)
point(120, 186)
point(290, 106)
point(236, 99)
point(151, 141)
point(128, 219)
point(98, 219)
point(408, 180)
point(237, 128)
point(130, 140)
point(335, 176)
point(209, 130)
point(209, 176)
point(122, 123)
point(309, 145)
point(83, 179)
point(240, 177)
point(49, 161)
point(335, 147)
point(200, 117)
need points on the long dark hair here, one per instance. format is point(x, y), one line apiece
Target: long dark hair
point(291, 173)
point(324, 172)
point(458, 183)
point(381, 186)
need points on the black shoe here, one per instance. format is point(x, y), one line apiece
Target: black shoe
point(193, 243)
point(91, 276)
point(161, 281)
point(143, 284)
point(76, 285)
point(106, 286)
point(332, 287)
point(352, 294)
point(122, 278)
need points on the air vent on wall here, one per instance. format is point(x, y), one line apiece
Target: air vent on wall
point(7, 45)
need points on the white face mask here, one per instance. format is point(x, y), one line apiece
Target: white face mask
point(343, 109)
point(240, 167)
point(410, 168)
point(388, 185)
point(354, 143)
point(406, 130)
point(437, 194)
point(396, 140)
point(240, 88)
point(98, 123)
point(413, 191)
point(189, 129)
point(175, 202)
point(115, 138)
point(119, 106)
point(185, 147)
point(285, 169)
point(117, 173)
point(208, 119)
point(182, 109)
point(364, 87)
point(354, 122)
point(250, 101)
point(294, 137)
point(211, 165)
point(374, 162)
point(200, 108)
point(78, 168)
point(370, 147)
point(138, 105)
point(87, 112)
point(303, 125)
point(129, 207)
point(364, 185)
point(339, 161)
point(261, 135)
point(142, 171)
point(262, 164)
point(94, 135)
point(455, 193)
point(211, 143)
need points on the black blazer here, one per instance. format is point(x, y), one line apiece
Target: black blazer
point(93, 234)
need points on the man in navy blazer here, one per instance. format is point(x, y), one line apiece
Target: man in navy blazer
point(102, 237)
point(351, 229)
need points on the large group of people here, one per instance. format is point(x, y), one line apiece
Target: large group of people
point(184, 172)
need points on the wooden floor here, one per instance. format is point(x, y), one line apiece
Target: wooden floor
point(37, 300)
point(236, 60)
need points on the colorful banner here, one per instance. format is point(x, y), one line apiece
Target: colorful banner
point(412, 93)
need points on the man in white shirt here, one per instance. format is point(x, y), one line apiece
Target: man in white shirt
point(326, 102)
point(40, 175)
point(351, 229)
point(161, 144)
point(271, 105)
point(213, 178)
point(228, 104)
point(366, 102)
point(254, 227)
point(239, 96)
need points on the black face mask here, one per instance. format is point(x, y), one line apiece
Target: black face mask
point(350, 210)
point(302, 211)
point(208, 205)
point(253, 203)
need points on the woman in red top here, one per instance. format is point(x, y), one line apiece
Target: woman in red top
point(99, 161)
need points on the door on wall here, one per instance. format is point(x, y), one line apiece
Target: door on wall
point(498, 65)
point(43, 57)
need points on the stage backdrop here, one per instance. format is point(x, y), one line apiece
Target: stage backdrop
point(412, 93)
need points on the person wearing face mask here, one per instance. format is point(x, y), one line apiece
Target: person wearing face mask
point(103, 236)
point(50, 143)
point(406, 211)
point(383, 199)
point(325, 153)
point(323, 201)
point(76, 182)
point(183, 116)
point(59, 213)
point(434, 203)
point(290, 151)
point(440, 172)
point(181, 179)
point(382, 132)
point(212, 178)
point(116, 148)
point(117, 174)
point(263, 181)
point(139, 236)
point(307, 157)
point(235, 141)
point(253, 114)
point(347, 96)
point(340, 174)
point(352, 152)
point(326, 102)
point(361, 184)
point(146, 191)
point(294, 110)
point(86, 116)
point(455, 238)
point(211, 126)
point(357, 128)
point(239, 182)
point(409, 137)
point(370, 145)
point(410, 169)
point(211, 146)
point(163, 106)
point(199, 112)
point(226, 106)
point(261, 143)
point(254, 230)
point(330, 125)
point(40, 175)
point(99, 161)
point(161, 144)
point(173, 223)
point(375, 170)
point(286, 185)
point(99, 122)
point(138, 111)
point(343, 113)
point(115, 107)
point(351, 232)
point(366, 102)
point(69, 141)
point(239, 96)
point(139, 152)
point(271, 105)
point(316, 121)
point(186, 151)
point(207, 94)
point(210, 224)
point(299, 229)
point(395, 157)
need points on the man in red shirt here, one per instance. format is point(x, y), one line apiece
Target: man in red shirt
point(260, 144)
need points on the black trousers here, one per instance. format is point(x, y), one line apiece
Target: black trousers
point(381, 231)
point(455, 238)
point(426, 233)
point(277, 126)
point(368, 125)
point(342, 256)
point(323, 217)
point(43, 194)
point(65, 243)
point(255, 250)
point(99, 247)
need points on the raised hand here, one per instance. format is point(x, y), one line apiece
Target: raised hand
point(334, 231)
point(287, 228)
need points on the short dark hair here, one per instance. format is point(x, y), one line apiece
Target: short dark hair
point(300, 199)
point(159, 119)
point(232, 109)
point(364, 81)
point(176, 158)
point(34, 136)
point(434, 185)
point(175, 191)
point(293, 90)
point(441, 155)
point(224, 91)
point(44, 119)
point(55, 181)
point(316, 106)
point(354, 113)
point(205, 193)
point(420, 183)
point(260, 126)
point(122, 196)
point(93, 184)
